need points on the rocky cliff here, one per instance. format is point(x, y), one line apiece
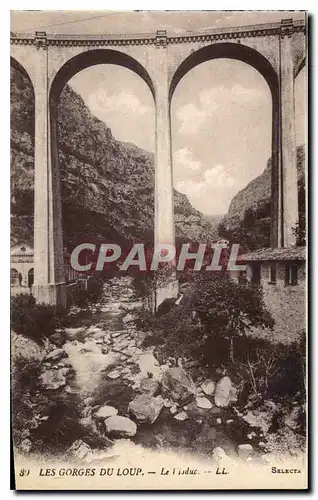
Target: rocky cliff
point(257, 196)
point(107, 185)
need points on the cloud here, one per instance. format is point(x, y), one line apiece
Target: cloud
point(123, 102)
point(185, 157)
point(190, 187)
point(211, 191)
point(219, 178)
point(192, 117)
point(186, 166)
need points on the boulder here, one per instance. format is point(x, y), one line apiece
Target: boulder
point(203, 403)
point(295, 418)
point(72, 390)
point(120, 426)
point(181, 416)
point(244, 451)
point(78, 450)
point(113, 374)
point(150, 385)
point(149, 365)
point(225, 392)
point(72, 333)
point(52, 379)
point(129, 318)
point(88, 424)
point(121, 344)
point(55, 355)
point(262, 419)
point(88, 401)
point(167, 403)
point(218, 454)
point(26, 445)
point(208, 387)
point(146, 408)
point(25, 350)
point(58, 339)
point(173, 409)
point(105, 412)
point(178, 385)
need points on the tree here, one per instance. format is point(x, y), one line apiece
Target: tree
point(215, 311)
point(229, 309)
point(300, 228)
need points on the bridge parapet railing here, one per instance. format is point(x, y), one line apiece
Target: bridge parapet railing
point(185, 36)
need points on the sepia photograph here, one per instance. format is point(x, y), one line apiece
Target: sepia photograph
point(158, 250)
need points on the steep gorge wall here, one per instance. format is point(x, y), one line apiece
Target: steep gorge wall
point(257, 196)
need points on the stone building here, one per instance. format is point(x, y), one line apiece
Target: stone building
point(22, 267)
point(282, 274)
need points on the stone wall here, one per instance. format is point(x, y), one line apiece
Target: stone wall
point(287, 303)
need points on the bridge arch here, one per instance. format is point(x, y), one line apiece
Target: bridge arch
point(236, 51)
point(259, 62)
point(14, 63)
point(65, 72)
point(300, 66)
point(92, 58)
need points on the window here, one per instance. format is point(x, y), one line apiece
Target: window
point(256, 273)
point(30, 277)
point(291, 274)
point(14, 277)
point(272, 273)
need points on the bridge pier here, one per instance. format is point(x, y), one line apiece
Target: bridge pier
point(289, 194)
point(49, 286)
point(164, 202)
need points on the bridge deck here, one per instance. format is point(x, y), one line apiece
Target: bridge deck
point(186, 36)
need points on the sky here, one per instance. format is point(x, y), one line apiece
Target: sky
point(220, 111)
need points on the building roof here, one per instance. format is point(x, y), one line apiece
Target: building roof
point(21, 249)
point(263, 254)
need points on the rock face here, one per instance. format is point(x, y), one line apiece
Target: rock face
point(117, 426)
point(107, 185)
point(225, 393)
point(257, 195)
point(260, 187)
point(146, 408)
point(178, 385)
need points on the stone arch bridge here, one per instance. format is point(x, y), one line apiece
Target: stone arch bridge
point(276, 50)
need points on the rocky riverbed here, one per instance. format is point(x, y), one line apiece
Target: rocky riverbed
point(119, 394)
